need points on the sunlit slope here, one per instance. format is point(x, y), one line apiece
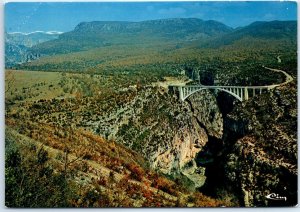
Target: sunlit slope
point(87, 35)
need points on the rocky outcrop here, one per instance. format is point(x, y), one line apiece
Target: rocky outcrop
point(264, 160)
point(206, 110)
point(17, 46)
point(165, 130)
point(17, 54)
point(150, 120)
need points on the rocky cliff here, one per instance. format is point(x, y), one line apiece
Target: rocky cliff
point(165, 130)
point(264, 159)
point(252, 154)
point(150, 120)
point(207, 113)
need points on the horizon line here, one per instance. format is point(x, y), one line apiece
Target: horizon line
point(52, 32)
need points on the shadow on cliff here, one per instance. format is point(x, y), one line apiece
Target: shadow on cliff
point(214, 153)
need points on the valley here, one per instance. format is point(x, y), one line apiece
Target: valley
point(96, 121)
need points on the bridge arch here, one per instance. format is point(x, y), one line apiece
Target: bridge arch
point(239, 92)
point(231, 93)
point(195, 91)
point(220, 89)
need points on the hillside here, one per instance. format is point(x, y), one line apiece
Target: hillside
point(88, 35)
point(265, 155)
point(249, 48)
point(273, 30)
point(44, 148)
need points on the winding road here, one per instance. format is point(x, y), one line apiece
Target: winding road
point(288, 78)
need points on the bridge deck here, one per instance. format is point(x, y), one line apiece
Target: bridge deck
point(239, 92)
point(226, 86)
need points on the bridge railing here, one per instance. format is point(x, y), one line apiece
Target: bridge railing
point(227, 86)
point(240, 92)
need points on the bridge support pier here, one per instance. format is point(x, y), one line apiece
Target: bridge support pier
point(239, 92)
point(215, 91)
point(246, 96)
point(181, 93)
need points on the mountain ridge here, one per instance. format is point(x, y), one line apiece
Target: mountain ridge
point(176, 32)
point(260, 30)
point(87, 35)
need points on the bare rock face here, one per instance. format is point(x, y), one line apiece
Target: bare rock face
point(165, 130)
point(206, 111)
point(150, 120)
point(183, 149)
point(264, 160)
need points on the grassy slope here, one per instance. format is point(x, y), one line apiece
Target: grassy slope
point(95, 166)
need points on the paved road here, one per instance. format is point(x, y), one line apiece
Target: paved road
point(288, 78)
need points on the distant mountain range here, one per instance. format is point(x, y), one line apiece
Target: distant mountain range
point(30, 39)
point(87, 35)
point(179, 31)
point(18, 44)
point(260, 30)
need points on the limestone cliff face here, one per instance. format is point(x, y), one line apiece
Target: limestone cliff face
point(165, 130)
point(206, 111)
point(264, 159)
point(150, 120)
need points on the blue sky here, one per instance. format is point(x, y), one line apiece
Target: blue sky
point(28, 17)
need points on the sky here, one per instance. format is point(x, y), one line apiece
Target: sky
point(57, 16)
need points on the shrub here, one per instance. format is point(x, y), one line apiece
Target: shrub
point(32, 183)
point(164, 185)
point(136, 171)
point(204, 201)
point(102, 181)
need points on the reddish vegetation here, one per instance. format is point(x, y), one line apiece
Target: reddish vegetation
point(87, 157)
point(136, 171)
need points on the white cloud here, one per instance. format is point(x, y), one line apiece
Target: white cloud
point(29, 33)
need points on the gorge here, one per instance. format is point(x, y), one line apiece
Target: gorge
point(95, 115)
point(202, 140)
